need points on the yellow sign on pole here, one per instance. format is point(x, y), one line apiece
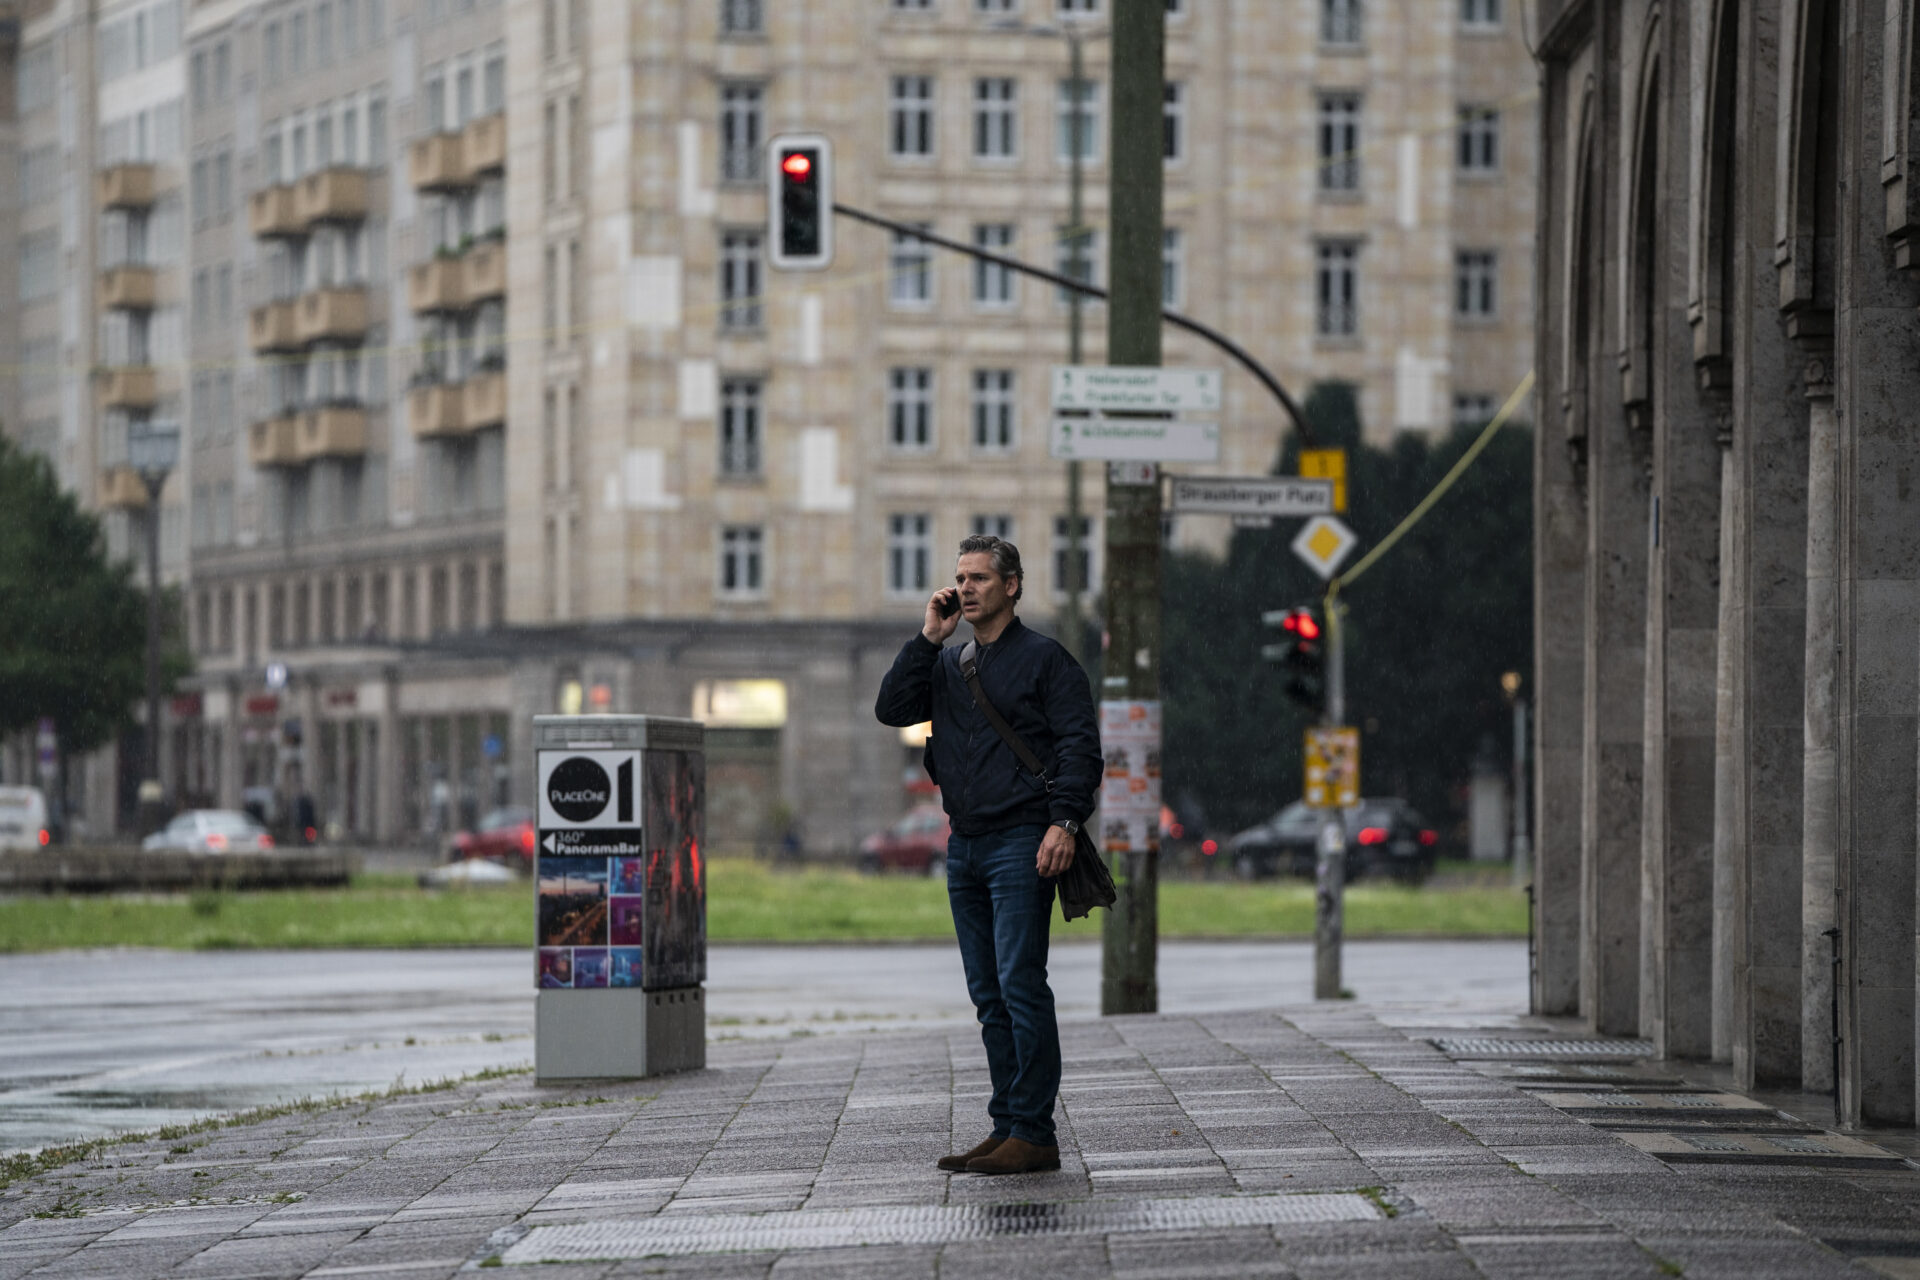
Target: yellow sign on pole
point(1327, 464)
point(1333, 767)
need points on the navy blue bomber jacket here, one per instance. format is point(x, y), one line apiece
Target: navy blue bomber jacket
point(1035, 683)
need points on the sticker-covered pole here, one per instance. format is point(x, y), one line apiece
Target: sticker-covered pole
point(1130, 684)
point(1330, 864)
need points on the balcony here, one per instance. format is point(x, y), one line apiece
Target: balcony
point(270, 212)
point(485, 269)
point(435, 163)
point(125, 186)
point(436, 286)
point(129, 287)
point(131, 386)
point(338, 315)
point(486, 399)
point(331, 195)
point(483, 145)
point(338, 431)
point(271, 328)
point(437, 409)
point(122, 489)
point(272, 442)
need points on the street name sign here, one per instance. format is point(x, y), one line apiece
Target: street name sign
point(1134, 440)
point(1254, 496)
point(1323, 543)
point(1136, 389)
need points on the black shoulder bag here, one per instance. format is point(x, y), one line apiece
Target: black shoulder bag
point(1086, 883)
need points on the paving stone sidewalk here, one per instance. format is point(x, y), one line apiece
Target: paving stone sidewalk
point(1310, 1142)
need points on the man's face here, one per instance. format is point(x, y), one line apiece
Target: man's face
point(983, 593)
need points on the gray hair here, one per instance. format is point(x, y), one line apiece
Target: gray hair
point(1006, 558)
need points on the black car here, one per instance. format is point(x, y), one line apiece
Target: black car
point(1385, 836)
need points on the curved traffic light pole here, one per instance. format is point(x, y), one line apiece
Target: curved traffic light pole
point(1174, 318)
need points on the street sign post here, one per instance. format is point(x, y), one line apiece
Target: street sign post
point(1135, 440)
point(1324, 543)
point(1136, 389)
point(1250, 496)
point(1328, 464)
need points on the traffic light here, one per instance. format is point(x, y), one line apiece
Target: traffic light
point(800, 201)
point(1301, 654)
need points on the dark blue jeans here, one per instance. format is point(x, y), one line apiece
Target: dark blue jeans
point(1001, 913)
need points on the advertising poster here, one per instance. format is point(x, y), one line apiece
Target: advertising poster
point(628, 917)
point(553, 968)
point(589, 967)
point(675, 933)
point(624, 968)
point(1130, 787)
point(573, 902)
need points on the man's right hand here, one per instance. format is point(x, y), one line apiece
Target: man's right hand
point(937, 628)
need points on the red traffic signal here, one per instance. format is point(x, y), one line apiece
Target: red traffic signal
point(798, 165)
point(1300, 655)
point(800, 202)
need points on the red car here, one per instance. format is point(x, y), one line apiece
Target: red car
point(916, 843)
point(505, 836)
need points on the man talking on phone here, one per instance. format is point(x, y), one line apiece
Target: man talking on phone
point(1013, 832)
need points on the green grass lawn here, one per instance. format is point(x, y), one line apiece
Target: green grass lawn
point(746, 902)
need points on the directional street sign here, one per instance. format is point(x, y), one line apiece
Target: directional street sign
point(1323, 543)
point(1135, 389)
point(1135, 440)
point(1254, 496)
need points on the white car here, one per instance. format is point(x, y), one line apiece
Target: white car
point(23, 819)
point(210, 831)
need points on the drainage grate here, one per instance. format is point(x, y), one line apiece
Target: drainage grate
point(1712, 1142)
point(1805, 1146)
point(683, 1234)
point(1494, 1047)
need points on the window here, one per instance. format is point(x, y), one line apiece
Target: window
point(1339, 142)
point(223, 185)
point(996, 119)
point(37, 74)
point(297, 43)
point(992, 283)
point(349, 27)
point(1480, 15)
point(740, 427)
point(1340, 22)
point(1076, 8)
point(376, 130)
point(910, 409)
point(994, 412)
point(923, 5)
point(198, 79)
point(1172, 253)
point(992, 526)
point(1476, 277)
point(910, 270)
point(741, 555)
point(493, 81)
point(1174, 122)
point(740, 280)
point(1075, 253)
point(1336, 285)
point(909, 554)
point(323, 34)
point(742, 17)
point(1077, 121)
point(910, 116)
point(39, 265)
point(270, 50)
point(40, 174)
point(740, 132)
point(222, 72)
point(1479, 139)
point(996, 6)
point(1069, 570)
point(1472, 409)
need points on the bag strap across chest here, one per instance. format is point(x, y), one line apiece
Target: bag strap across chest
point(970, 672)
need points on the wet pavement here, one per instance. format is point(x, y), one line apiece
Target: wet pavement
point(115, 1041)
point(1305, 1141)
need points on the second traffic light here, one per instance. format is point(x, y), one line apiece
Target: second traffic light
point(800, 202)
point(1301, 653)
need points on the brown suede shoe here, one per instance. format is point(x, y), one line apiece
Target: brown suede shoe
point(958, 1164)
point(1016, 1156)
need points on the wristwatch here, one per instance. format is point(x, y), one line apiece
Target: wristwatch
point(1069, 826)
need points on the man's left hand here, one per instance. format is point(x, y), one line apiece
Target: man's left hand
point(1056, 852)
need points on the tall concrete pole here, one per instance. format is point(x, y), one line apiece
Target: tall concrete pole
point(1330, 856)
point(1074, 632)
point(1130, 940)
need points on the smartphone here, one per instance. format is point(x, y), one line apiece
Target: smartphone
point(949, 605)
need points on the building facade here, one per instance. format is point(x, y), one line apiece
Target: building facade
point(495, 407)
point(1725, 525)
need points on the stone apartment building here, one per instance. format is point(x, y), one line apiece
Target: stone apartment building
point(494, 407)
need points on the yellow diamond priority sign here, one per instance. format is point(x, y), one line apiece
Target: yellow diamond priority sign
point(1323, 543)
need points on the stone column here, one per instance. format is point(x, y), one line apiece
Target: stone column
point(387, 761)
point(1820, 804)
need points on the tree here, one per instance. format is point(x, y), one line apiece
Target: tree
point(1430, 629)
point(74, 640)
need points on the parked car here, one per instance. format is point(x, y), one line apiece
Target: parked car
point(1385, 836)
point(210, 831)
point(916, 843)
point(504, 836)
point(23, 819)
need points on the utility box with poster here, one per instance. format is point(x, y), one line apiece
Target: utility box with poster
point(620, 896)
